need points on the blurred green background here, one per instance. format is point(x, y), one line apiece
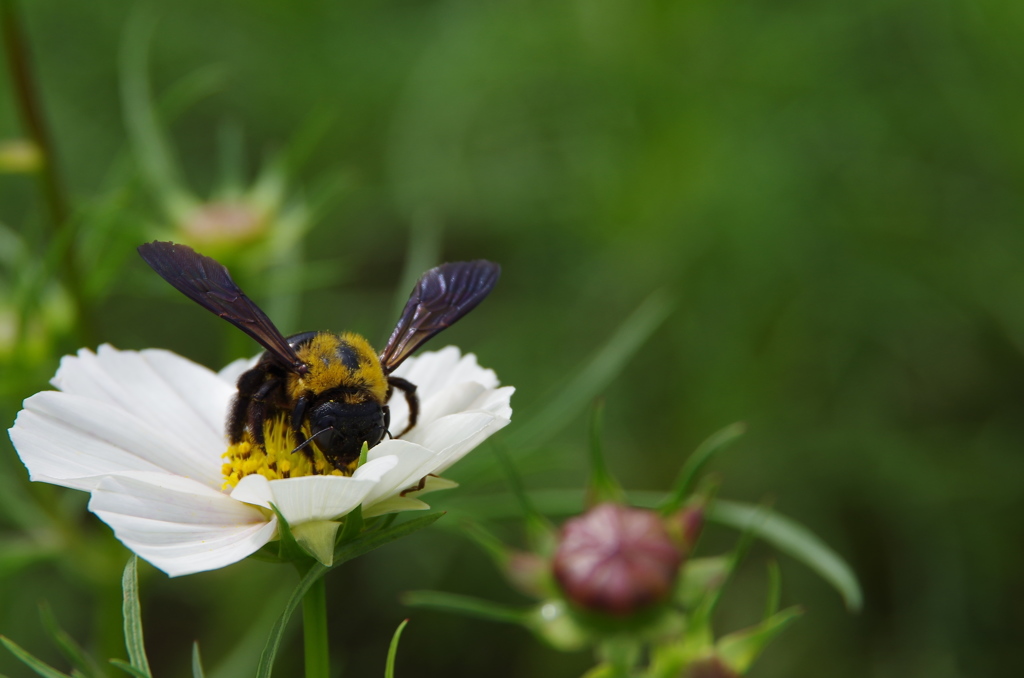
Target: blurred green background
point(829, 193)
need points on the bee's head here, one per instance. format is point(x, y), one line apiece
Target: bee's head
point(339, 429)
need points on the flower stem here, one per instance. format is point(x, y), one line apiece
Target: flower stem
point(314, 629)
point(30, 110)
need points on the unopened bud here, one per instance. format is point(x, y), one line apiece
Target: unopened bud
point(686, 524)
point(223, 222)
point(529, 572)
point(709, 667)
point(616, 559)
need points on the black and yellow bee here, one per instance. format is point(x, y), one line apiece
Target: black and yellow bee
point(334, 383)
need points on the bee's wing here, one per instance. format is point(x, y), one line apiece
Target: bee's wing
point(442, 296)
point(208, 283)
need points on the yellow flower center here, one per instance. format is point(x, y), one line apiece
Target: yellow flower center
point(275, 460)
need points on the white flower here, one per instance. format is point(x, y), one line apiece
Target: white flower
point(143, 431)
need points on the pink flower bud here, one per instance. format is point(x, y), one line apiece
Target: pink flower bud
point(709, 667)
point(616, 559)
point(686, 524)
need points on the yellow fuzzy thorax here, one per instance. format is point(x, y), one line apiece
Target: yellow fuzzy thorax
point(276, 460)
point(327, 370)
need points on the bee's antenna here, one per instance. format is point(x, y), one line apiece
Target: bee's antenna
point(311, 438)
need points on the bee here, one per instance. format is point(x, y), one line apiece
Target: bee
point(335, 384)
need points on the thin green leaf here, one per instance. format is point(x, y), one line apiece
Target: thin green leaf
point(147, 137)
point(422, 253)
point(72, 651)
point(197, 662)
point(466, 605)
point(345, 552)
point(539, 531)
point(245, 655)
point(602, 486)
point(794, 540)
point(600, 370)
point(40, 667)
point(289, 549)
point(133, 618)
point(389, 669)
point(128, 668)
point(696, 461)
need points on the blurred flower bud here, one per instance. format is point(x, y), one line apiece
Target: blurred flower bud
point(616, 559)
point(218, 222)
point(709, 667)
point(20, 156)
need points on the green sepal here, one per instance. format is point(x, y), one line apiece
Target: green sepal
point(389, 667)
point(353, 525)
point(699, 577)
point(739, 650)
point(317, 538)
point(40, 667)
point(695, 462)
point(289, 549)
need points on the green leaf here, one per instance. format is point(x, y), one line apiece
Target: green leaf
point(774, 589)
point(389, 668)
point(72, 651)
point(133, 618)
point(739, 650)
point(696, 461)
point(343, 553)
point(197, 662)
point(128, 668)
point(602, 485)
point(604, 365)
point(466, 605)
point(289, 548)
point(154, 153)
point(794, 540)
point(41, 668)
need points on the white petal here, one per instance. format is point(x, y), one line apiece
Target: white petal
point(410, 459)
point(433, 372)
point(169, 392)
point(69, 439)
point(179, 525)
point(314, 497)
point(453, 436)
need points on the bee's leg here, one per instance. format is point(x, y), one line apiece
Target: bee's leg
point(258, 409)
point(409, 389)
point(298, 415)
point(248, 384)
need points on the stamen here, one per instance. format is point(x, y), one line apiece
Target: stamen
point(277, 459)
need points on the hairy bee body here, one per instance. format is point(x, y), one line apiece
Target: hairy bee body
point(335, 386)
point(342, 395)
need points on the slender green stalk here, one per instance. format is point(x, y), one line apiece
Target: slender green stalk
point(314, 629)
point(30, 110)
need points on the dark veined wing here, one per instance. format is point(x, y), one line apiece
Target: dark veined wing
point(208, 283)
point(442, 296)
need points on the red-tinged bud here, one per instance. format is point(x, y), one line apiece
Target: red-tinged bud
point(616, 560)
point(709, 667)
point(685, 526)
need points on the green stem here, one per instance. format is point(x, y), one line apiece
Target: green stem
point(30, 110)
point(314, 628)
